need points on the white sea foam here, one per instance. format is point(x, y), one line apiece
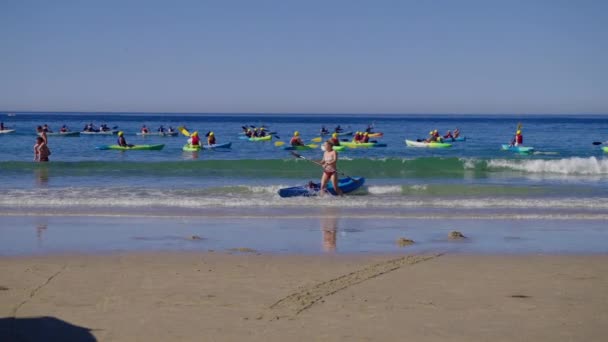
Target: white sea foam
point(384, 189)
point(567, 166)
point(388, 196)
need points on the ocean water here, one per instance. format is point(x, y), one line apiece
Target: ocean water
point(567, 176)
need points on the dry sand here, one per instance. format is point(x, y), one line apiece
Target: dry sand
point(222, 297)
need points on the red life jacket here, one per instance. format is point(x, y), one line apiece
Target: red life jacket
point(519, 139)
point(195, 140)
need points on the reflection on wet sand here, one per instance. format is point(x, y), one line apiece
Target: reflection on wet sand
point(329, 228)
point(40, 229)
point(42, 176)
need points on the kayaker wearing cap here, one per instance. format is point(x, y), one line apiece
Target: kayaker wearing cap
point(194, 139)
point(296, 140)
point(518, 139)
point(448, 135)
point(334, 140)
point(144, 129)
point(330, 169)
point(121, 139)
point(211, 139)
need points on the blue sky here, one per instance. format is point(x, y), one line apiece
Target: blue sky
point(305, 56)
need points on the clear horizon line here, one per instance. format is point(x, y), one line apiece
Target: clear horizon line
point(289, 113)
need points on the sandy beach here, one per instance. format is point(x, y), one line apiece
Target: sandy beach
point(252, 296)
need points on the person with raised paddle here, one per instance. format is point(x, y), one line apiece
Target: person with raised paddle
point(330, 169)
point(296, 140)
point(518, 139)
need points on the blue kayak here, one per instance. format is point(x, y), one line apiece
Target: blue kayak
point(224, 145)
point(518, 149)
point(346, 185)
point(454, 139)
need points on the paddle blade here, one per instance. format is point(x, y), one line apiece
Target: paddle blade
point(597, 143)
point(296, 155)
point(313, 145)
point(316, 139)
point(183, 130)
point(278, 137)
point(279, 143)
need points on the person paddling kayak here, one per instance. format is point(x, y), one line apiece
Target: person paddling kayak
point(121, 140)
point(296, 140)
point(518, 139)
point(334, 139)
point(211, 139)
point(330, 169)
point(194, 139)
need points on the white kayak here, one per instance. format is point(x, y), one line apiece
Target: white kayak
point(6, 131)
point(112, 132)
point(160, 134)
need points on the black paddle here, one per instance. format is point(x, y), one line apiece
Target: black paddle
point(597, 143)
point(312, 161)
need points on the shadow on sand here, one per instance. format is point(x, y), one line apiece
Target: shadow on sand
point(42, 329)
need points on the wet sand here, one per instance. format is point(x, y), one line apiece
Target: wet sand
point(251, 296)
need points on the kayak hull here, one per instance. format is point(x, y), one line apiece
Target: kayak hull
point(411, 143)
point(351, 144)
point(266, 138)
point(7, 131)
point(160, 134)
point(518, 149)
point(455, 139)
point(134, 148)
point(347, 185)
point(63, 134)
point(339, 134)
point(191, 148)
point(211, 147)
point(99, 133)
point(300, 148)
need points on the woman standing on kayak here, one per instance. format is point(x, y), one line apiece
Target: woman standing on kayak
point(330, 169)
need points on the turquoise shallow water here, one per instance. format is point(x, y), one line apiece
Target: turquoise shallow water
point(566, 172)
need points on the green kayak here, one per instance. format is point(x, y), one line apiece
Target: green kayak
point(351, 144)
point(605, 148)
point(191, 148)
point(133, 147)
point(266, 138)
point(412, 143)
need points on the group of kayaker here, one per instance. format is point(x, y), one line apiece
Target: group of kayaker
point(91, 128)
point(195, 140)
point(255, 132)
point(361, 137)
point(161, 129)
point(325, 131)
point(435, 137)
